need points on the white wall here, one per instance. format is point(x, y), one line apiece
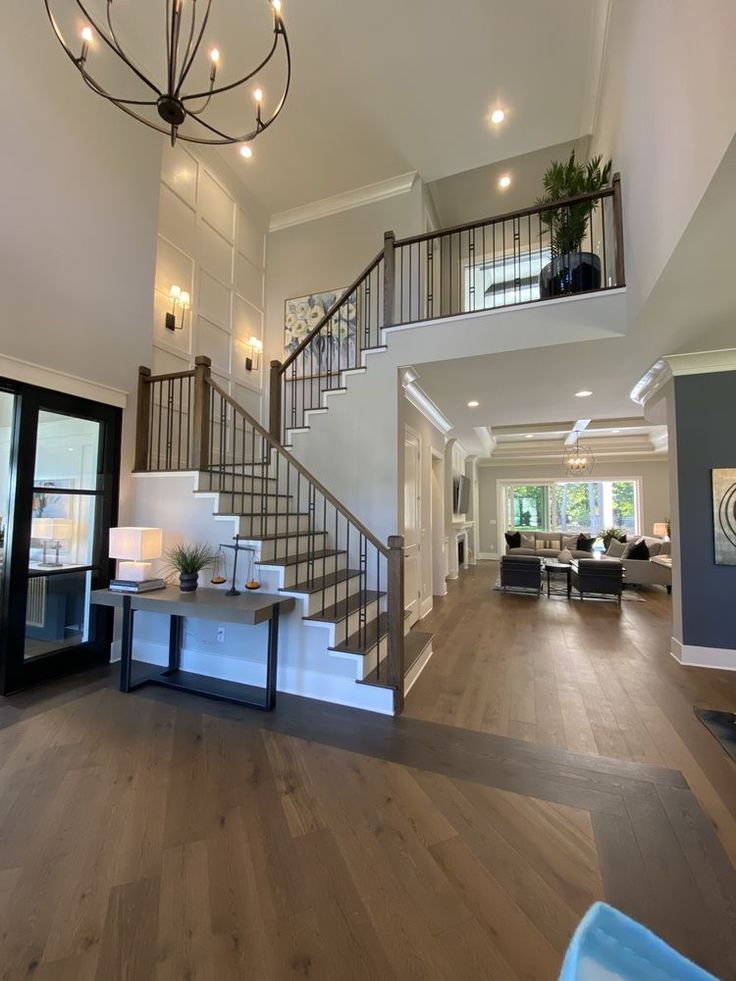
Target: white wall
point(666, 115)
point(430, 439)
point(330, 253)
point(211, 242)
point(79, 211)
point(654, 492)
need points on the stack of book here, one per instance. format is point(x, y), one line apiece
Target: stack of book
point(132, 586)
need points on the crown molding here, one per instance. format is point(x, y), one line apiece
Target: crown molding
point(702, 362)
point(674, 365)
point(380, 191)
point(422, 402)
point(61, 381)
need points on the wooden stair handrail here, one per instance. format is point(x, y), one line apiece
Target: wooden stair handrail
point(331, 312)
point(274, 444)
point(605, 192)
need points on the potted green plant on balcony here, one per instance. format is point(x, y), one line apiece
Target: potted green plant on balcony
point(571, 269)
point(188, 559)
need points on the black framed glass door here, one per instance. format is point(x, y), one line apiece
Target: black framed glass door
point(63, 488)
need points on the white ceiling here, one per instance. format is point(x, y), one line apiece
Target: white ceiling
point(384, 88)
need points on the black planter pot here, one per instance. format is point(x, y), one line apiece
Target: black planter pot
point(188, 581)
point(575, 272)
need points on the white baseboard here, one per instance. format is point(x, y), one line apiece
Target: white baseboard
point(692, 656)
point(426, 608)
point(488, 556)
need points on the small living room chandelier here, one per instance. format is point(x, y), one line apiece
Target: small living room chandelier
point(181, 99)
point(578, 458)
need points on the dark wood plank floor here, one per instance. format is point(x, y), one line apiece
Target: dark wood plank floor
point(160, 836)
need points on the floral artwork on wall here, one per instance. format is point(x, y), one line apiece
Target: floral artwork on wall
point(334, 347)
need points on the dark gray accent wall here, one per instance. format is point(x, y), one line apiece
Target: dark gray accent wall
point(705, 407)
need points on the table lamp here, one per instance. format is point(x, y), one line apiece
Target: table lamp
point(134, 547)
point(52, 532)
point(660, 530)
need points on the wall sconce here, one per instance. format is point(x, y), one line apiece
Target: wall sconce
point(179, 298)
point(253, 360)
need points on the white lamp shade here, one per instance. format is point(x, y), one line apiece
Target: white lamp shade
point(42, 528)
point(660, 529)
point(136, 544)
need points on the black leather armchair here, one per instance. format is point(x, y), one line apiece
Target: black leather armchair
point(521, 572)
point(597, 576)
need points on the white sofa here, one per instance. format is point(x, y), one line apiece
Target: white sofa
point(644, 572)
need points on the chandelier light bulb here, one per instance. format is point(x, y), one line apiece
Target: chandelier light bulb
point(87, 35)
point(214, 56)
point(258, 95)
point(498, 116)
point(276, 4)
point(245, 151)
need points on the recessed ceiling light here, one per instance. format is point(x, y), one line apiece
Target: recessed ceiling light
point(498, 116)
point(245, 151)
point(504, 182)
point(530, 435)
point(473, 404)
point(582, 395)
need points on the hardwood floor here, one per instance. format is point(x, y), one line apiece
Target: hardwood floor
point(165, 837)
point(590, 677)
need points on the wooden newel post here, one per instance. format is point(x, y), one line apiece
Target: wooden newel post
point(142, 419)
point(274, 402)
point(618, 227)
point(389, 279)
point(395, 602)
point(201, 413)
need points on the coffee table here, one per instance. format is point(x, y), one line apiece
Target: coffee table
point(555, 568)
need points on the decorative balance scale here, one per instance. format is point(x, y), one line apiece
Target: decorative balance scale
point(218, 578)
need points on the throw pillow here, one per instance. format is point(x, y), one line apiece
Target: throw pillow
point(570, 542)
point(528, 541)
point(637, 550)
point(585, 544)
point(565, 556)
point(513, 539)
point(616, 549)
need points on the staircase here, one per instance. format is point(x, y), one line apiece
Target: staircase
point(349, 625)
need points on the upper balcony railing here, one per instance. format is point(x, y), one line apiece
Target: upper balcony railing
point(544, 252)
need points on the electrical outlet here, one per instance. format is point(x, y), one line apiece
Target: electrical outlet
point(220, 635)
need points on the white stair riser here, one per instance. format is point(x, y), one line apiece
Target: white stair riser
point(252, 527)
point(292, 574)
point(231, 503)
point(277, 548)
point(314, 604)
point(234, 482)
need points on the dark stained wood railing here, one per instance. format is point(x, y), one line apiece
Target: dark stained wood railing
point(186, 422)
point(501, 261)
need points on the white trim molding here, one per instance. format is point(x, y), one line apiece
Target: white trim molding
point(61, 381)
point(672, 365)
point(690, 655)
point(421, 401)
point(380, 191)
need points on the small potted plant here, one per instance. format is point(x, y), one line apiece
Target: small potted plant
point(188, 559)
point(571, 270)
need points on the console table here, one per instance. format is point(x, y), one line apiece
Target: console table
point(203, 604)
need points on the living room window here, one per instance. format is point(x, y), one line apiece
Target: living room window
point(572, 506)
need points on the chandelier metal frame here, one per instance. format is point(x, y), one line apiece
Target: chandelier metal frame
point(578, 459)
point(182, 47)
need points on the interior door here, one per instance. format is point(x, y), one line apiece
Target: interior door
point(412, 526)
point(65, 481)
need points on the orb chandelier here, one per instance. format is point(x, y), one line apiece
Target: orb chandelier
point(578, 458)
point(167, 104)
